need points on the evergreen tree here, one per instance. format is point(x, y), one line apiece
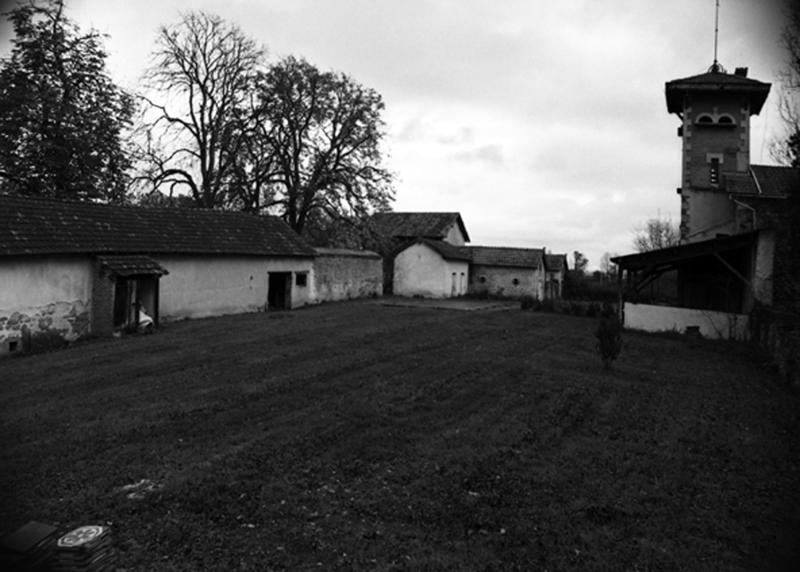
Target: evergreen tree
point(61, 116)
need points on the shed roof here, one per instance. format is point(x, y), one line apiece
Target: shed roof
point(48, 226)
point(776, 181)
point(131, 265)
point(666, 257)
point(506, 256)
point(418, 224)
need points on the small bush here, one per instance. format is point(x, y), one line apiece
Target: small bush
point(547, 305)
point(609, 340)
point(482, 294)
point(527, 302)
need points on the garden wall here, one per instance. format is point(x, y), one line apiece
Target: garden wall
point(341, 274)
point(714, 325)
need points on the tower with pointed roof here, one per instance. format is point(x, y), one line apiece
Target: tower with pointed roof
point(714, 109)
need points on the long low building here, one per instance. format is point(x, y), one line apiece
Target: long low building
point(71, 269)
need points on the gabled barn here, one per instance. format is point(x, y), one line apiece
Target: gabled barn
point(72, 269)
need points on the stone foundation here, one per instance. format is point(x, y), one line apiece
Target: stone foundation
point(24, 330)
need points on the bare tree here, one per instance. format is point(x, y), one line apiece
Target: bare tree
point(655, 234)
point(787, 149)
point(579, 262)
point(325, 131)
point(203, 74)
point(608, 269)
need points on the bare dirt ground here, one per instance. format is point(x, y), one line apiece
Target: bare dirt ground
point(362, 436)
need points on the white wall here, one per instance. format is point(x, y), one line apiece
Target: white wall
point(454, 235)
point(200, 286)
point(44, 293)
point(421, 271)
point(714, 325)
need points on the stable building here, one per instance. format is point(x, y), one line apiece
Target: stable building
point(72, 269)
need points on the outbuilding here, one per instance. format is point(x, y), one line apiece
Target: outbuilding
point(71, 269)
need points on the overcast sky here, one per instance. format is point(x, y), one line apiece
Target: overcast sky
point(542, 123)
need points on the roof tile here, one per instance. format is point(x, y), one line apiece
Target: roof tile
point(46, 226)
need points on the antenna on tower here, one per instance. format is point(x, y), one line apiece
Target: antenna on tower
point(716, 67)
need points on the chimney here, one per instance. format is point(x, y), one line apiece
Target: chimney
point(741, 72)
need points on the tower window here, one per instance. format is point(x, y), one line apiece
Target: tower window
point(725, 120)
point(713, 172)
point(705, 120)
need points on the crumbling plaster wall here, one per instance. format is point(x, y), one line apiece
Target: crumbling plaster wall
point(44, 295)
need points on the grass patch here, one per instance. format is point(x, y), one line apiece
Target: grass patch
point(359, 436)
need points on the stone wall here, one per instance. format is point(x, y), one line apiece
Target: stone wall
point(346, 274)
point(506, 282)
point(44, 326)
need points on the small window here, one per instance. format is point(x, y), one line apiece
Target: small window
point(483, 279)
point(301, 279)
point(705, 119)
point(515, 281)
point(713, 172)
point(725, 120)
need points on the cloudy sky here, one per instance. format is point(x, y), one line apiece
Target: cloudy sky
point(542, 122)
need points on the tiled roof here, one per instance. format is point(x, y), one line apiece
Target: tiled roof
point(447, 250)
point(555, 262)
point(46, 226)
point(131, 265)
point(413, 225)
point(346, 252)
point(740, 183)
point(716, 81)
point(774, 181)
point(503, 256)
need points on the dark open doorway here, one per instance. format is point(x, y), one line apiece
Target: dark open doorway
point(279, 295)
point(133, 295)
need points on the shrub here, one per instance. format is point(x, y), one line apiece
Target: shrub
point(609, 340)
point(577, 308)
point(527, 302)
point(482, 294)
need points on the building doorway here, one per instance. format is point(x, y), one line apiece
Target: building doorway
point(279, 293)
point(132, 296)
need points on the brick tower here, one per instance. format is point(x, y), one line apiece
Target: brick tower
point(715, 109)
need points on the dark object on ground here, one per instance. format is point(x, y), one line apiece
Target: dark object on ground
point(28, 547)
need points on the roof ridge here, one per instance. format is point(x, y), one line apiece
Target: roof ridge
point(159, 208)
point(507, 247)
